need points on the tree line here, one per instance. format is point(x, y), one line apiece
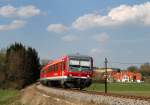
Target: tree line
point(144, 69)
point(19, 66)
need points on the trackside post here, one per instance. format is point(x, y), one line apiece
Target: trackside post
point(106, 61)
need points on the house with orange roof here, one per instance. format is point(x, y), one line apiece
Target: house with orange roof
point(124, 76)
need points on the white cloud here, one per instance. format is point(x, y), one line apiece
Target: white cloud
point(102, 38)
point(92, 20)
point(116, 16)
point(28, 11)
point(13, 25)
point(24, 11)
point(96, 52)
point(58, 28)
point(69, 38)
point(7, 11)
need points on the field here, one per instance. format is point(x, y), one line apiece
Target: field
point(140, 89)
point(6, 96)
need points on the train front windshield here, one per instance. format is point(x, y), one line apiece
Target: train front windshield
point(80, 64)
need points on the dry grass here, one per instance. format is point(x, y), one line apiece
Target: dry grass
point(32, 96)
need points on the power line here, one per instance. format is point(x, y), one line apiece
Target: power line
point(127, 63)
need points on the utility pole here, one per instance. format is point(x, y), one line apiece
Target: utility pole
point(106, 61)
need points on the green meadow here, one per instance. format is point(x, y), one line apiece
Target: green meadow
point(140, 89)
point(7, 96)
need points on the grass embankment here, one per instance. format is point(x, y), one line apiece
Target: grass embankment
point(7, 96)
point(140, 89)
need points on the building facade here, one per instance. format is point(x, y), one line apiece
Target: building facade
point(124, 76)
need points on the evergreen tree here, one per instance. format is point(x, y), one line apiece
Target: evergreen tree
point(2, 67)
point(32, 65)
point(22, 66)
point(133, 69)
point(145, 69)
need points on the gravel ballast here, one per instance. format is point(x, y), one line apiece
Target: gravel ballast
point(95, 99)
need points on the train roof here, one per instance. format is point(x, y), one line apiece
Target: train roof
point(63, 57)
point(79, 56)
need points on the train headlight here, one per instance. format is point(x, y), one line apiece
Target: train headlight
point(70, 75)
point(88, 76)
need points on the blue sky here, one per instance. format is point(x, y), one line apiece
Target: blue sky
point(116, 29)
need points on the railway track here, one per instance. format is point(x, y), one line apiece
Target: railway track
point(145, 98)
point(119, 95)
point(95, 97)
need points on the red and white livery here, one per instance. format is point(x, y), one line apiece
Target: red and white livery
point(72, 71)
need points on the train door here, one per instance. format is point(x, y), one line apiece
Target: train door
point(63, 68)
point(59, 69)
point(56, 70)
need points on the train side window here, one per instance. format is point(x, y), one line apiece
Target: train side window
point(60, 65)
point(55, 67)
point(63, 65)
point(43, 71)
point(49, 68)
point(52, 67)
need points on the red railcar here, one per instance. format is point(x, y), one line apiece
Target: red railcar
point(73, 71)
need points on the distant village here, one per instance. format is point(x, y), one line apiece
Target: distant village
point(116, 75)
